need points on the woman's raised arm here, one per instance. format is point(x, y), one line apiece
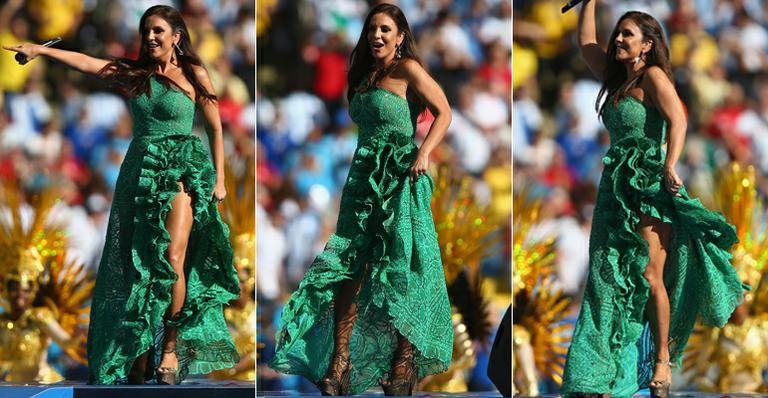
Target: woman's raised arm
point(591, 52)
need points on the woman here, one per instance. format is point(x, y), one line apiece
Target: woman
point(658, 258)
point(167, 264)
point(383, 262)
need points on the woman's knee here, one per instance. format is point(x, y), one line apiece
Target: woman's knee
point(654, 276)
point(175, 256)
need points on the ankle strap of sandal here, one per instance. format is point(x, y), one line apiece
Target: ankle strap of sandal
point(660, 361)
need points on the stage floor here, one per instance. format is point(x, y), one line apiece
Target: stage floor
point(676, 394)
point(194, 388)
point(377, 392)
point(476, 394)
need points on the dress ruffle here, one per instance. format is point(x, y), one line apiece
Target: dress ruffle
point(699, 278)
point(385, 223)
point(157, 165)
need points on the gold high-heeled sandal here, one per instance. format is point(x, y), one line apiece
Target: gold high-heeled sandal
point(405, 384)
point(660, 388)
point(332, 386)
point(167, 376)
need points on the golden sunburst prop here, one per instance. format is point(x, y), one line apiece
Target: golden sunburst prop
point(34, 251)
point(542, 313)
point(465, 231)
point(539, 306)
point(530, 259)
point(732, 358)
point(67, 287)
point(466, 235)
point(238, 211)
point(23, 226)
point(24, 233)
point(736, 196)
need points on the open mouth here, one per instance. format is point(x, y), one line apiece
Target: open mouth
point(377, 46)
point(153, 45)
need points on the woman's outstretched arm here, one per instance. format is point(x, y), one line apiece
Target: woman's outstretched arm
point(73, 59)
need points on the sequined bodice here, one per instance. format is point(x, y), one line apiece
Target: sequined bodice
point(632, 118)
point(381, 111)
point(166, 111)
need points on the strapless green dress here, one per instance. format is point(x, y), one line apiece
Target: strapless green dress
point(384, 222)
point(133, 284)
point(612, 347)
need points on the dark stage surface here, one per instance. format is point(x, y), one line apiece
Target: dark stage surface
point(376, 392)
point(198, 388)
point(680, 394)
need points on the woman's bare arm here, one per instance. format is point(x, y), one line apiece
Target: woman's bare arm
point(591, 52)
point(428, 89)
point(73, 59)
point(663, 95)
point(214, 130)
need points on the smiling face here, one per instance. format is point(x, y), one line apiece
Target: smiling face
point(159, 38)
point(383, 37)
point(20, 296)
point(629, 41)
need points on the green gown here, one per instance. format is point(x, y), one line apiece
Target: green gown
point(612, 348)
point(384, 222)
point(133, 284)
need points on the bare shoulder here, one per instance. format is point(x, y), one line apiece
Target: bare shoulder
point(409, 69)
point(656, 75)
point(200, 72)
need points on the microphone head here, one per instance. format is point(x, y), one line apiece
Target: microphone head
point(21, 58)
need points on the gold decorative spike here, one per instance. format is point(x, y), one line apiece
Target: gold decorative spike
point(239, 212)
point(539, 306)
point(732, 358)
point(465, 231)
point(466, 235)
point(35, 254)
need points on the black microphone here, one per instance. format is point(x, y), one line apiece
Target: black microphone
point(570, 5)
point(22, 59)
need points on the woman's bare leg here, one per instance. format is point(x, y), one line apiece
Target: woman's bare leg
point(179, 225)
point(344, 317)
point(657, 235)
point(138, 372)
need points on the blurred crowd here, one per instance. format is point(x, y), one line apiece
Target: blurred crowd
point(719, 55)
point(305, 139)
point(65, 131)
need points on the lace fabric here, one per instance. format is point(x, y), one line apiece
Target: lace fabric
point(612, 347)
point(385, 236)
point(133, 284)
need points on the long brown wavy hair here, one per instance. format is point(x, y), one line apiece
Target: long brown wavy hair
point(616, 85)
point(133, 76)
point(363, 74)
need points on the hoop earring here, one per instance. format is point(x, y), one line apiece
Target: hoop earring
point(178, 49)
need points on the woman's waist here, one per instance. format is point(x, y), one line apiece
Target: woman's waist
point(372, 136)
point(631, 139)
point(634, 149)
point(156, 134)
